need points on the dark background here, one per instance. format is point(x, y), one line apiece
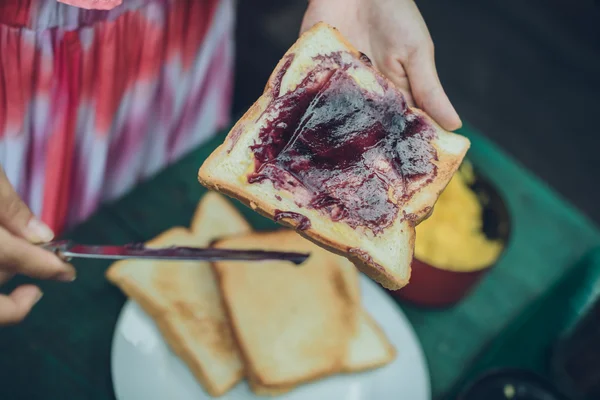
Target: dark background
point(525, 73)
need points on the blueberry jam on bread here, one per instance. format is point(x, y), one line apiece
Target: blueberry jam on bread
point(343, 149)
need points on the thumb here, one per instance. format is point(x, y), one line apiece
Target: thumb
point(16, 217)
point(427, 90)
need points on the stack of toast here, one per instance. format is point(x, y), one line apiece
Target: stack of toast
point(276, 324)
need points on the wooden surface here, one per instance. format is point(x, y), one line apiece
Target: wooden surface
point(63, 348)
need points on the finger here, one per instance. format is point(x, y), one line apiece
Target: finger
point(310, 18)
point(427, 89)
point(15, 307)
point(5, 277)
point(16, 217)
point(394, 71)
point(307, 23)
point(17, 256)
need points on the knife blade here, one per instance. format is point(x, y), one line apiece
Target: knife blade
point(67, 250)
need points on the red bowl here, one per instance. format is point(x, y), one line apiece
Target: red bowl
point(435, 287)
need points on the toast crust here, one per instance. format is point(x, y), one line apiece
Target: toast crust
point(206, 206)
point(417, 209)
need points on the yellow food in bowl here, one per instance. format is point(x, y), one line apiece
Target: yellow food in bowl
point(452, 238)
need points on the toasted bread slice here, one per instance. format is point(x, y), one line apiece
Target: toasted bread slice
point(292, 323)
point(184, 300)
point(369, 349)
point(331, 206)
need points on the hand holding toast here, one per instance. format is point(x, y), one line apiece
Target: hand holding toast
point(19, 229)
point(394, 35)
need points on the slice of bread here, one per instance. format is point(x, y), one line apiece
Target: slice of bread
point(424, 159)
point(369, 349)
point(183, 297)
point(293, 324)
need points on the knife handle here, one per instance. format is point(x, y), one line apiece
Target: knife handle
point(58, 247)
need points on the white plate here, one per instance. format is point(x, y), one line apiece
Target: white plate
point(143, 367)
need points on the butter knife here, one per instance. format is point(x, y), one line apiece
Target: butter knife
point(67, 250)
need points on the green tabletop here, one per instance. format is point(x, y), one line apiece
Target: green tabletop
point(62, 351)
point(529, 341)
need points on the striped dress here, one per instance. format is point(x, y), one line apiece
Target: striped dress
point(92, 102)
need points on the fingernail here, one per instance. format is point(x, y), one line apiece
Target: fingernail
point(38, 298)
point(38, 231)
point(65, 277)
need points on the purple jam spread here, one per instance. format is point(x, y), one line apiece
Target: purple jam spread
point(302, 222)
point(352, 154)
